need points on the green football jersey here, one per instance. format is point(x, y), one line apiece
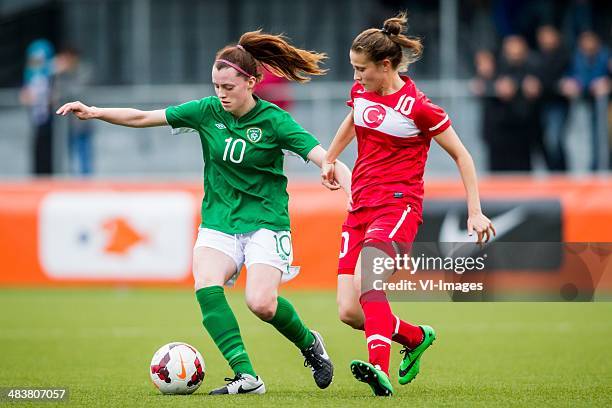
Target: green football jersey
point(245, 188)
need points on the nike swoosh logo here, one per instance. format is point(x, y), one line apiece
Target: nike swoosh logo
point(183, 373)
point(450, 232)
point(373, 346)
point(324, 354)
point(403, 372)
point(243, 391)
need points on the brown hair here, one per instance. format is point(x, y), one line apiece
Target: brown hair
point(274, 53)
point(390, 43)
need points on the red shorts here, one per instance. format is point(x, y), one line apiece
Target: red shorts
point(384, 224)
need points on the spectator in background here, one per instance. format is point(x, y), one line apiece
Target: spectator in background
point(37, 94)
point(72, 77)
point(517, 90)
point(484, 62)
point(275, 89)
point(588, 79)
point(552, 67)
point(483, 86)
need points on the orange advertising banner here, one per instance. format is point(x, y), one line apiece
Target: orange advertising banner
point(97, 232)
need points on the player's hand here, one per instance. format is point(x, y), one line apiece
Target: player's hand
point(483, 227)
point(327, 175)
point(79, 109)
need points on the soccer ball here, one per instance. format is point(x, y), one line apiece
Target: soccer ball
point(177, 368)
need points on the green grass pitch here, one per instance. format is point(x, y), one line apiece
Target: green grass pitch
point(99, 342)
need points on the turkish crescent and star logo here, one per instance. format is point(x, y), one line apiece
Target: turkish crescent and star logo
point(374, 115)
point(254, 134)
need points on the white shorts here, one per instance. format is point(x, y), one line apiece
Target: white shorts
point(263, 246)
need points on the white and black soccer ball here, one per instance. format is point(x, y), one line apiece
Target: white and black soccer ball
point(177, 368)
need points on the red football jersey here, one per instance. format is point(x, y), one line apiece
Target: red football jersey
point(393, 136)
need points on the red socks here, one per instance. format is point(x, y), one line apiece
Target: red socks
point(406, 334)
point(381, 326)
point(379, 323)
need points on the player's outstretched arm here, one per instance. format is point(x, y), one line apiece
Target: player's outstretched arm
point(342, 174)
point(477, 221)
point(344, 136)
point(117, 116)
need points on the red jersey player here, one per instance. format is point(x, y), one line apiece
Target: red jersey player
point(394, 123)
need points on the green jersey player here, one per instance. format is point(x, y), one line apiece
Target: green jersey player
point(245, 219)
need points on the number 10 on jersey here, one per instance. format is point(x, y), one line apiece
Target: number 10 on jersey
point(231, 145)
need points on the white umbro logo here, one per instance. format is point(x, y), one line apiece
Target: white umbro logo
point(220, 126)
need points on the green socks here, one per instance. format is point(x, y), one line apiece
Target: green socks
point(289, 324)
point(221, 324)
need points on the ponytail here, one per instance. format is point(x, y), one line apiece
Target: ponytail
point(390, 42)
point(275, 53)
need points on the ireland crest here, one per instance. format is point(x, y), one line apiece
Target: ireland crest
point(253, 134)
